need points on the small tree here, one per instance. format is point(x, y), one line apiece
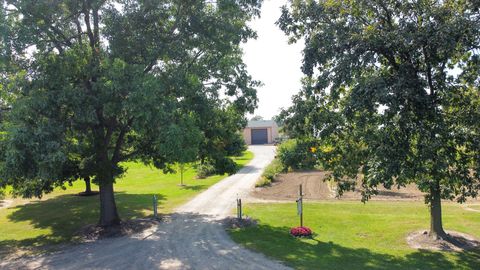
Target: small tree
point(181, 143)
point(392, 92)
point(221, 129)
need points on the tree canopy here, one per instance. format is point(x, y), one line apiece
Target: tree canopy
point(102, 82)
point(391, 93)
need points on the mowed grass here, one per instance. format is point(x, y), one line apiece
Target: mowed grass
point(57, 216)
point(351, 235)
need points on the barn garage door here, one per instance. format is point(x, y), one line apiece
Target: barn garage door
point(259, 136)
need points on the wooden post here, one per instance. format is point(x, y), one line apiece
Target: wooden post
point(155, 206)
point(239, 208)
point(301, 206)
point(181, 176)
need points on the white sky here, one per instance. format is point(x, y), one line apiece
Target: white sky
point(273, 61)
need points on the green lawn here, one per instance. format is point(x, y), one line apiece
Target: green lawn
point(351, 235)
point(56, 217)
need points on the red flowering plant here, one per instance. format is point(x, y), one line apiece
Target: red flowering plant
point(301, 232)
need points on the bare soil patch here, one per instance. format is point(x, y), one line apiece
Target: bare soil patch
point(286, 185)
point(407, 193)
point(315, 187)
point(456, 241)
point(95, 232)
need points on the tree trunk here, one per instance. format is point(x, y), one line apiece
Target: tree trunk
point(436, 227)
point(108, 208)
point(88, 186)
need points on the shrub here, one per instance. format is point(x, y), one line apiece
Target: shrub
point(212, 167)
point(225, 165)
point(262, 182)
point(297, 155)
point(236, 146)
point(270, 173)
point(273, 169)
point(301, 231)
point(205, 170)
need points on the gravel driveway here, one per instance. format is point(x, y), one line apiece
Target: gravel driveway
point(193, 238)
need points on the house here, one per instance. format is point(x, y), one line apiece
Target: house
point(260, 132)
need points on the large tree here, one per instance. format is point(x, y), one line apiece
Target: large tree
point(110, 81)
point(392, 94)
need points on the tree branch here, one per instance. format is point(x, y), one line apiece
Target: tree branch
point(120, 141)
point(150, 66)
point(90, 34)
point(79, 30)
point(428, 72)
point(96, 28)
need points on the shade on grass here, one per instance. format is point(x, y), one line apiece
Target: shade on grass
point(56, 217)
point(351, 235)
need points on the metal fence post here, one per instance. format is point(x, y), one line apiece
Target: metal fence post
point(239, 208)
point(300, 205)
point(155, 202)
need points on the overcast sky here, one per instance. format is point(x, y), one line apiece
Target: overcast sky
point(273, 61)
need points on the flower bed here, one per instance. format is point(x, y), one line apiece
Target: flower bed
point(301, 232)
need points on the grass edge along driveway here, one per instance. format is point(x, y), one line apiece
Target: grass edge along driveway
point(352, 235)
point(29, 224)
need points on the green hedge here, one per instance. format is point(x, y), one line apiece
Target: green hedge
point(297, 155)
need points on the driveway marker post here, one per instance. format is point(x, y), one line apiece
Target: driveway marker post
point(239, 208)
point(155, 203)
point(300, 205)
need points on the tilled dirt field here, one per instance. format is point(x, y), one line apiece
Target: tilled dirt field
point(315, 188)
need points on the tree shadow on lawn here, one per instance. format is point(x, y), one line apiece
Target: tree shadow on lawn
point(313, 254)
point(194, 188)
point(64, 215)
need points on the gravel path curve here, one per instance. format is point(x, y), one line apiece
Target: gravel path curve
point(193, 237)
point(466, 207)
